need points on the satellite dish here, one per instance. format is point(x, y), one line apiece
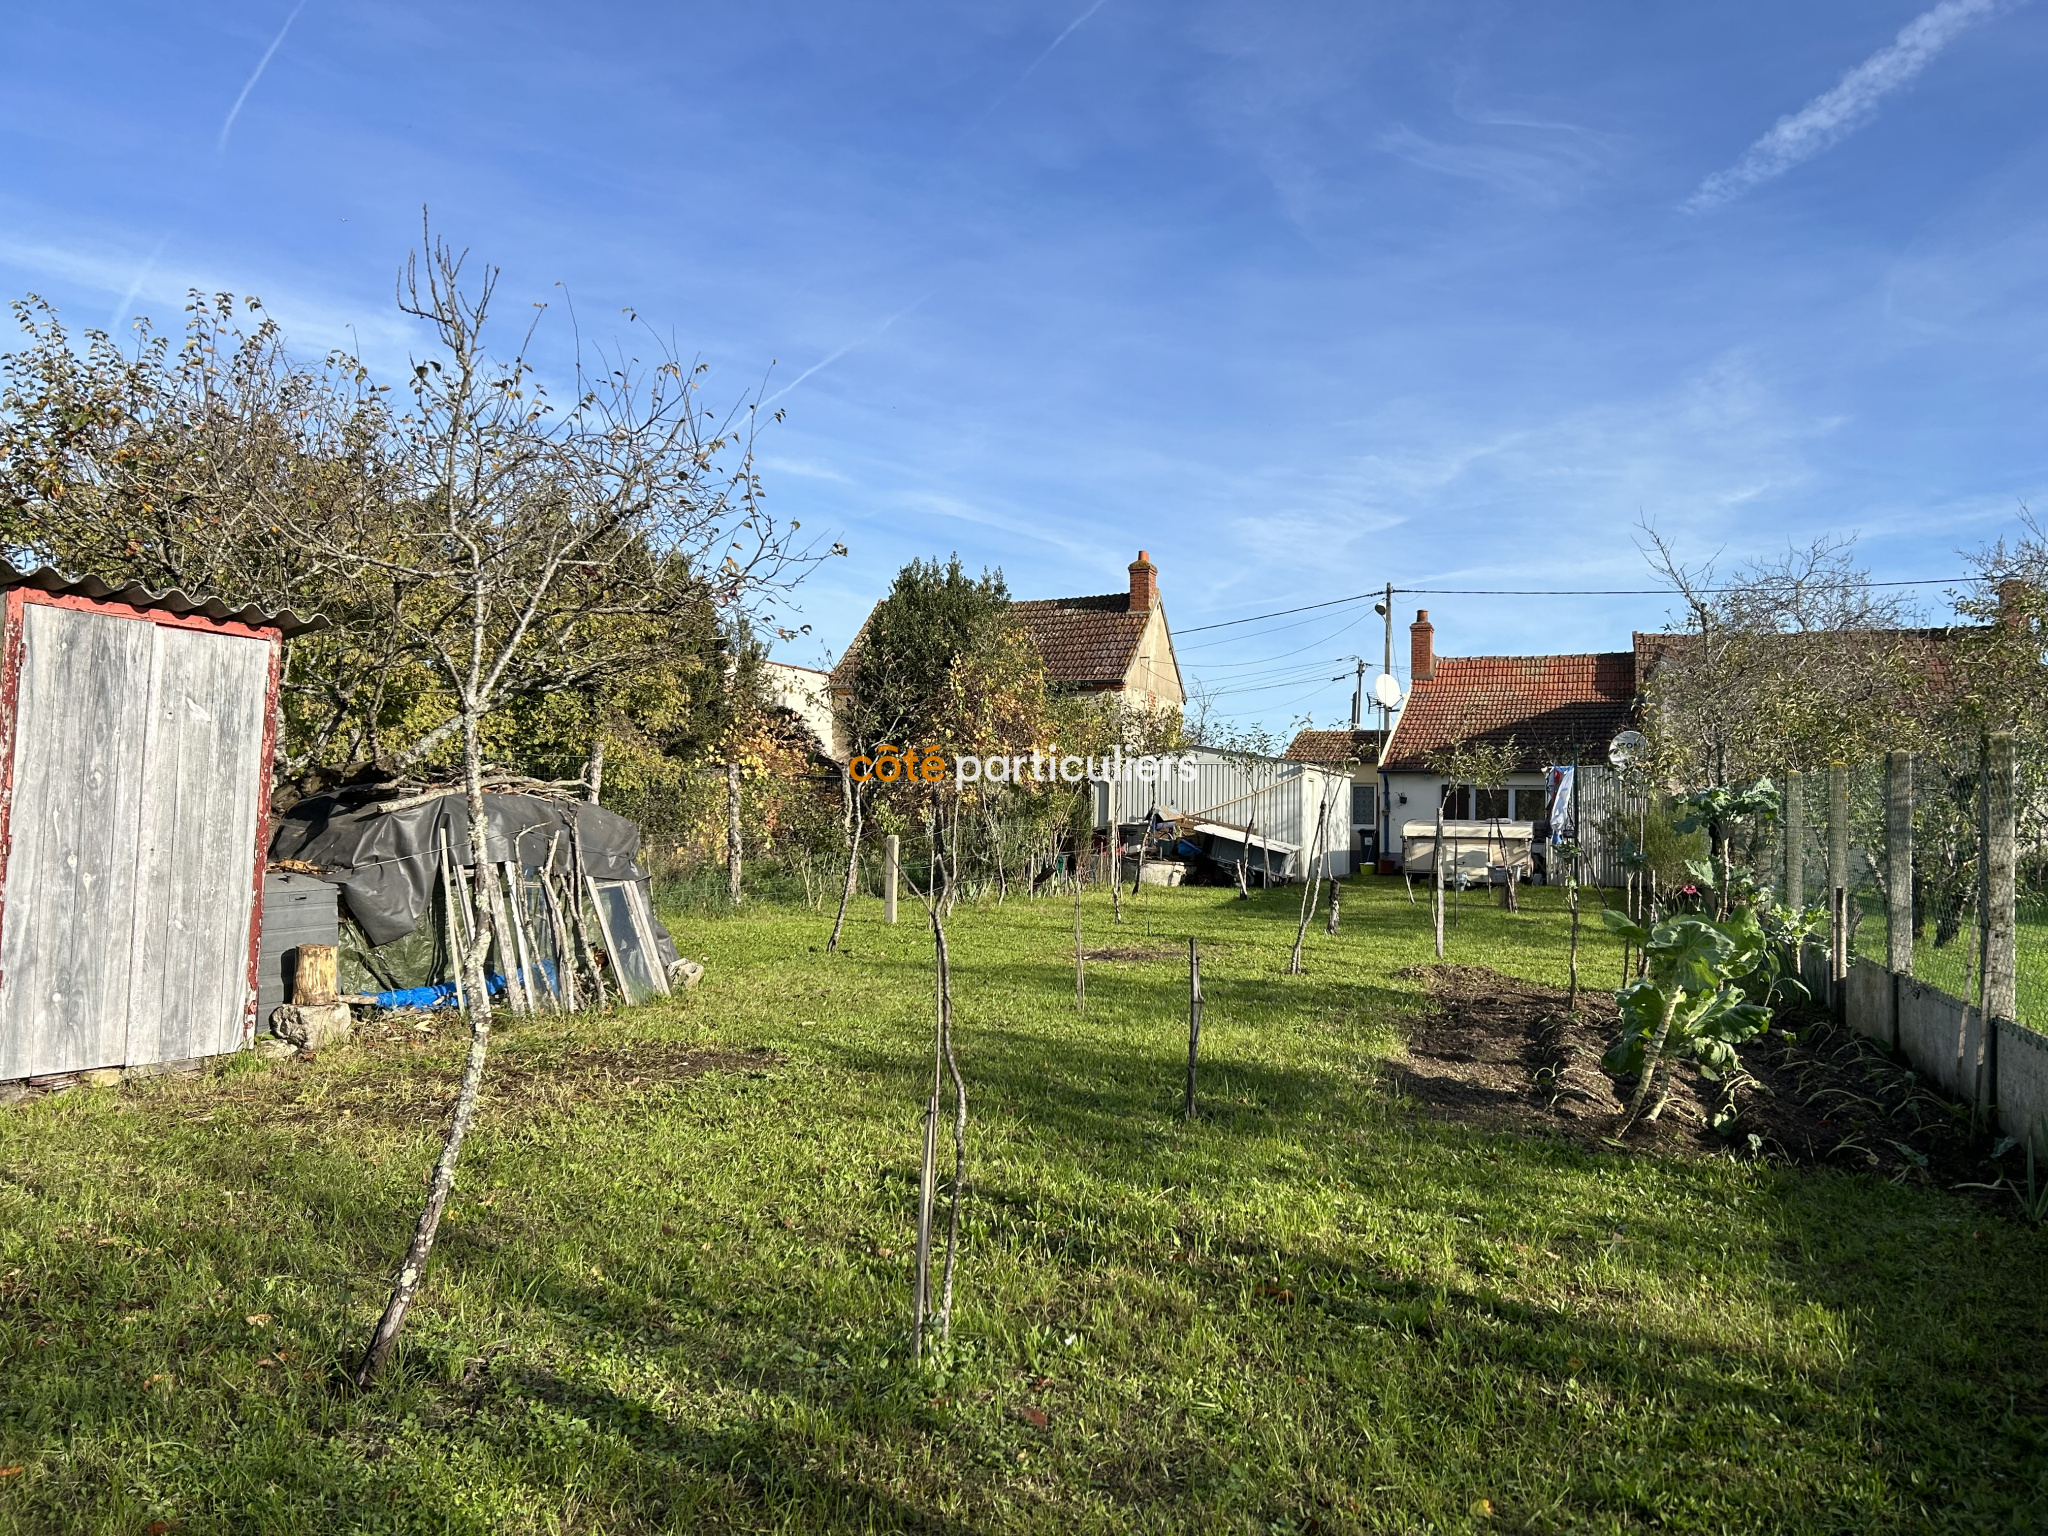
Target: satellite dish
point(1386, 691)
point(1627, 748)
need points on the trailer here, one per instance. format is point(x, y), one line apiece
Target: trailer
point(1475, 852)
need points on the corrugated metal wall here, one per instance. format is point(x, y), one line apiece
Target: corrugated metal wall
point(137, 774)
point(1281, 797)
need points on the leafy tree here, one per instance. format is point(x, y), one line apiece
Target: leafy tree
point(1793, 662)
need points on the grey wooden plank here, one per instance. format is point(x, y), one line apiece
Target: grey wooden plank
point(64, 956)
point(199, 844)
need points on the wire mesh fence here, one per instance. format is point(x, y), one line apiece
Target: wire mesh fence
point(1836, 831)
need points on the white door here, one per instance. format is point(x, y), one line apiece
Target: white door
point(124, 935)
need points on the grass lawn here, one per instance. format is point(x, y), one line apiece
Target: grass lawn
point(671, 1299)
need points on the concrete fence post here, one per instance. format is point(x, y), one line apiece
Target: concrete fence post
point(1795, 840)
point(2001, 900)
point(1838, 878)
point(1794, 894)
point(1898, 859)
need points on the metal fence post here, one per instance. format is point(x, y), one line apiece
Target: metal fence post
point(1838, 881)
point(2001, 928)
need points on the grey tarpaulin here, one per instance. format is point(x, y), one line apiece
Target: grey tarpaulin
point(388, 863)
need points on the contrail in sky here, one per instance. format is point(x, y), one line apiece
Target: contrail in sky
point(122, 309)
point(1004, 94)
point(1828, 119)
point(859, 341)
point(261, 64)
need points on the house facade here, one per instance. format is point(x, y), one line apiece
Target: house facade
point(1118, 645)
point(1552, 710)
point(806, 693)
point(1354, 753)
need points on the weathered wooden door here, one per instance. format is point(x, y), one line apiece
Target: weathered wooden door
point(196, 852)
point(136, 770)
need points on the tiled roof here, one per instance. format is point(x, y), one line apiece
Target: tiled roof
point(1345, 746)
point(1547, 704)
point(1086, 642)
point(1930, 648)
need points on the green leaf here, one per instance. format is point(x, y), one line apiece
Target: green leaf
point(1690, 953)
point(1618, 920)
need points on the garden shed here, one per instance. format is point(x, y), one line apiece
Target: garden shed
point(391, 851)
point(136, 732)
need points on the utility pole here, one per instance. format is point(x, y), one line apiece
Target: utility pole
point(1387, 657)
point(1358, 693)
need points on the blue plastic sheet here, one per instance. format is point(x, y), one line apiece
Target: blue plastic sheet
point(442, 993)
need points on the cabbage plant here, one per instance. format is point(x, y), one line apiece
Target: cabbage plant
point(1708, 985)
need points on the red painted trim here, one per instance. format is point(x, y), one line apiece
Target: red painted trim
point(10, 688)
point(17, 598)
point(269, 771)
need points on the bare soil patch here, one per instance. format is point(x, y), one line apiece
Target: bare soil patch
point(1507, 1054)
point(519, 1082)
point(1133, 952)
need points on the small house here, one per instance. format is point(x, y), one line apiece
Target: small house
point(1554, 710)
point(1354, 753)
point(1115, 646)
point(137, 730)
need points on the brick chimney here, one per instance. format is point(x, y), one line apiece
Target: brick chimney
point(1421, 648)
point(1144, 584)
point(2012, 604)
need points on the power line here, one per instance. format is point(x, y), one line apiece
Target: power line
point(1381, 592)
point(1918, 581)
point(1282, 613)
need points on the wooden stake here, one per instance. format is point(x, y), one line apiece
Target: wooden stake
point(1332, 929)
point(558, 930)
point(1116, 850)
point(1194, 1025)
point(1436, 900)
point(1080, 965)
point(514, 891)
point(1311, 888)
point(458, 941)
point(583, 945)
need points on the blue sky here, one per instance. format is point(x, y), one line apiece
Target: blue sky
point(1301, 298)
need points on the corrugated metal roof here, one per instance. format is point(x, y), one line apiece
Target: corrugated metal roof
point(48, 578)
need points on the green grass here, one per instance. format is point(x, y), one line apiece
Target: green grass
point(680, 1304)
point(1954, 966)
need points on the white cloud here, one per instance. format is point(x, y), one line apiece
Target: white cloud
point(1547, 164)
point(1829, 118)
point(120, 265)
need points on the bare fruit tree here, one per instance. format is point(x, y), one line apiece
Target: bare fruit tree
point(540, 549)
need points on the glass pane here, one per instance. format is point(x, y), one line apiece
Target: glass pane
point(1529, 804)
point(630, 961)
point(1454, 802)
point(1490, 804)
point(1362, 800)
